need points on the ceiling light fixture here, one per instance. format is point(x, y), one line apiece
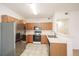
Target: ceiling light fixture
point(33, 7)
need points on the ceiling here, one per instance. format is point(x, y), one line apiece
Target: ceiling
point(43, 9)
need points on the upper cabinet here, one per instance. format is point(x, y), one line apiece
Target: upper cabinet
point(46, 26)
point(7, 19)
point(43, 26)
point(20, 21)
point(30, 26)
point(20, 25)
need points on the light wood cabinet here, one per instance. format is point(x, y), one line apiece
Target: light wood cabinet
point(20, 26)
point(30, 26)
point(46, 26)
point(20, 22)
point(44, 39)
point(43, 26)
point(4, 18)
point(58, 49)
point(7, 19)
point(29, 39)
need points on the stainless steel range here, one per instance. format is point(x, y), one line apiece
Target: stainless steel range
point(37, 35)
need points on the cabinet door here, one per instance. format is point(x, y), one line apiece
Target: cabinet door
point(29, 38)
point(58, 49)
point(8, 19)
point(46, 26)
point(4, 18)
point(30, 26)
point(44, 39)
point(11, 19)
point(49, 26)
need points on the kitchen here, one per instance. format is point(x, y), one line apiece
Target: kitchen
point(46, 33)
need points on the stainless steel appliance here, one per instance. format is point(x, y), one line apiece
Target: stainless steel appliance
point(36, 38)
point(37, 35)
point(7, 39)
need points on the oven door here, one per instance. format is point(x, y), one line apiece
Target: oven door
point(37, 38)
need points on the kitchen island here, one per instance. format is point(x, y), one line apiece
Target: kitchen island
point(60, 46)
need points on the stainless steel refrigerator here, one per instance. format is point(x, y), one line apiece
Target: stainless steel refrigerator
point(7, 39)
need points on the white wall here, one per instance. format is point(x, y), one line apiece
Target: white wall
point(73, 17)
point(74, 28)
point(60, 15)
point(38, 20)
point(6, 11)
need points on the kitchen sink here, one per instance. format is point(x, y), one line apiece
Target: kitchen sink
point(52, 36)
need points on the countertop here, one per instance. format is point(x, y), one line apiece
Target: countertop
point(58, 39)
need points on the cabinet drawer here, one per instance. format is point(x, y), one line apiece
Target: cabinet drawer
point(29, 38)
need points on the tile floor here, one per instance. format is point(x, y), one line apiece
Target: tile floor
point(36, 49)
point(20, 46)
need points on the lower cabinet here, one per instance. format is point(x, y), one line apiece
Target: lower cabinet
point(29, 39)
point(58, 49)
point(44, 39)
